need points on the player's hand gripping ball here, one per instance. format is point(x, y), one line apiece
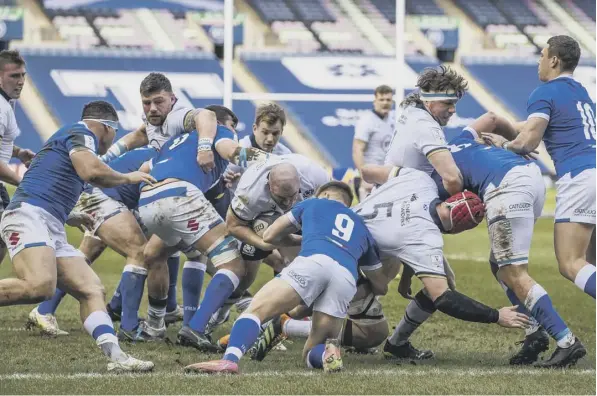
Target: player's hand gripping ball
point(466, 211)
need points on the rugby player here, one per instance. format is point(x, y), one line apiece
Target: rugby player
point(32, 226)
point(513, 191)
point(373, 134)
point(271, 186)
point(419, 143)
point(12, 79)
point(165, 117)
point(562, 114)
point(407, 218)
point(179, 217)
point(336, 246)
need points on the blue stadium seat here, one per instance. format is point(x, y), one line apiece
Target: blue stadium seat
point(387, 8)
point(588, 7)
point(423, 7)
point(311, 11)
point(483, 12)
point(272, 10)
point(518, 12)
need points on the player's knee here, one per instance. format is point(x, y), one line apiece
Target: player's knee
point(224, 252)
point(41, 289)
point(435, 287)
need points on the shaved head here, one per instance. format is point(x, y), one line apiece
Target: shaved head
point(284, 184)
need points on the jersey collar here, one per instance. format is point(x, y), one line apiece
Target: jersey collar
point(379, 115)
point(254, 142)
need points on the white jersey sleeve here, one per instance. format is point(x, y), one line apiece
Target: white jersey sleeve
point(430, 138)
point(9, 130)
point(362, 130)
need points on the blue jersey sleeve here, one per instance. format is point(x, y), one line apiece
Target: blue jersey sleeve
point(81, 139)
point(223, 133)
point(370, 261)
point(540, 103)
point(296, 213)
point(467, 133)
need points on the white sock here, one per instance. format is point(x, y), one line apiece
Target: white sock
point(297, 328)
point(583, 276)
point(567, 341)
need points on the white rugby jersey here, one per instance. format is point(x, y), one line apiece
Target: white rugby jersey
point(173, 125)
point(249, 141)
point(378, 133)
point(252, 196)
point(417, 136)
point(9, 130)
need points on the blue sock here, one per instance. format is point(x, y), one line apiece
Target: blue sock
point(522, 309)
point(116, 301)
point(132, 285)
point(219, 289)
point(315, 356)
point(173, 266)
point(193, 273)
point(244, 333)
point(539, 303)
point(585, 279)
point(50, 306)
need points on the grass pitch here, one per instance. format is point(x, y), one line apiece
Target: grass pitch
point(470, 358)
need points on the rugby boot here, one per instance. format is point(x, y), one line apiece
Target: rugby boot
point(405, 351)
point(213, 367)
point(142, 333)
point(174, 316)
point(243, 302)
point(188, 337)
point(332, 360)
point(533, 345)
point(565, 357)
point(130, 365)
point(47, 324)
point(271, 336)
point(218, 318)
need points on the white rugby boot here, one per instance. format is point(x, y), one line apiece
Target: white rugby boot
point(130, 365)
point(47, 324)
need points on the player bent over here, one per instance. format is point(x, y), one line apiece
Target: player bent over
point(513, 191)
point(406, 218)
point(116, 226)
point(335, 245)
point(179, 217)
point(33, 226)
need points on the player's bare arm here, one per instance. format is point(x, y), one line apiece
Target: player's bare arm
point(526, 141)
point(378, 280)
point(379, 174)
point(241, 156)
point(279, 230)
point(92, 170)
point(444, 164)
point(7, 175)
point(242, 230)
point(23, 155)
point(358, 153)
point(206, 124)
point(132, 140)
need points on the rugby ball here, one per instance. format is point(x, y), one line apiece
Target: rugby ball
point(263, 221)
point(367, 307)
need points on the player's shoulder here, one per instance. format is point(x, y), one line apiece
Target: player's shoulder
point(281, 149)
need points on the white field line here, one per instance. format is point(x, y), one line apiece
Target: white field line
point(289, 373)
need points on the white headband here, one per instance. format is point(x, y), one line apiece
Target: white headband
point(431, 96)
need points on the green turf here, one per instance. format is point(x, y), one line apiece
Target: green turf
point(470, 358)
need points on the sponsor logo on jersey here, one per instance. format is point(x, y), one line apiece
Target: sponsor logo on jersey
point(584, 212)
point(298, 278)
point(405, 213)
point(14, 239)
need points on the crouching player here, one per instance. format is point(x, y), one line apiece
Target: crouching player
point(336, 244)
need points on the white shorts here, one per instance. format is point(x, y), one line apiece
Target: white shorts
point(511, 210)
point(575, 198)
point(414, 238)
point(99, 206)
point(178, 213)
point(31, 226)
point(322, 283)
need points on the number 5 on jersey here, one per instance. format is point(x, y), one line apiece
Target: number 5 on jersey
point(343, 227)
